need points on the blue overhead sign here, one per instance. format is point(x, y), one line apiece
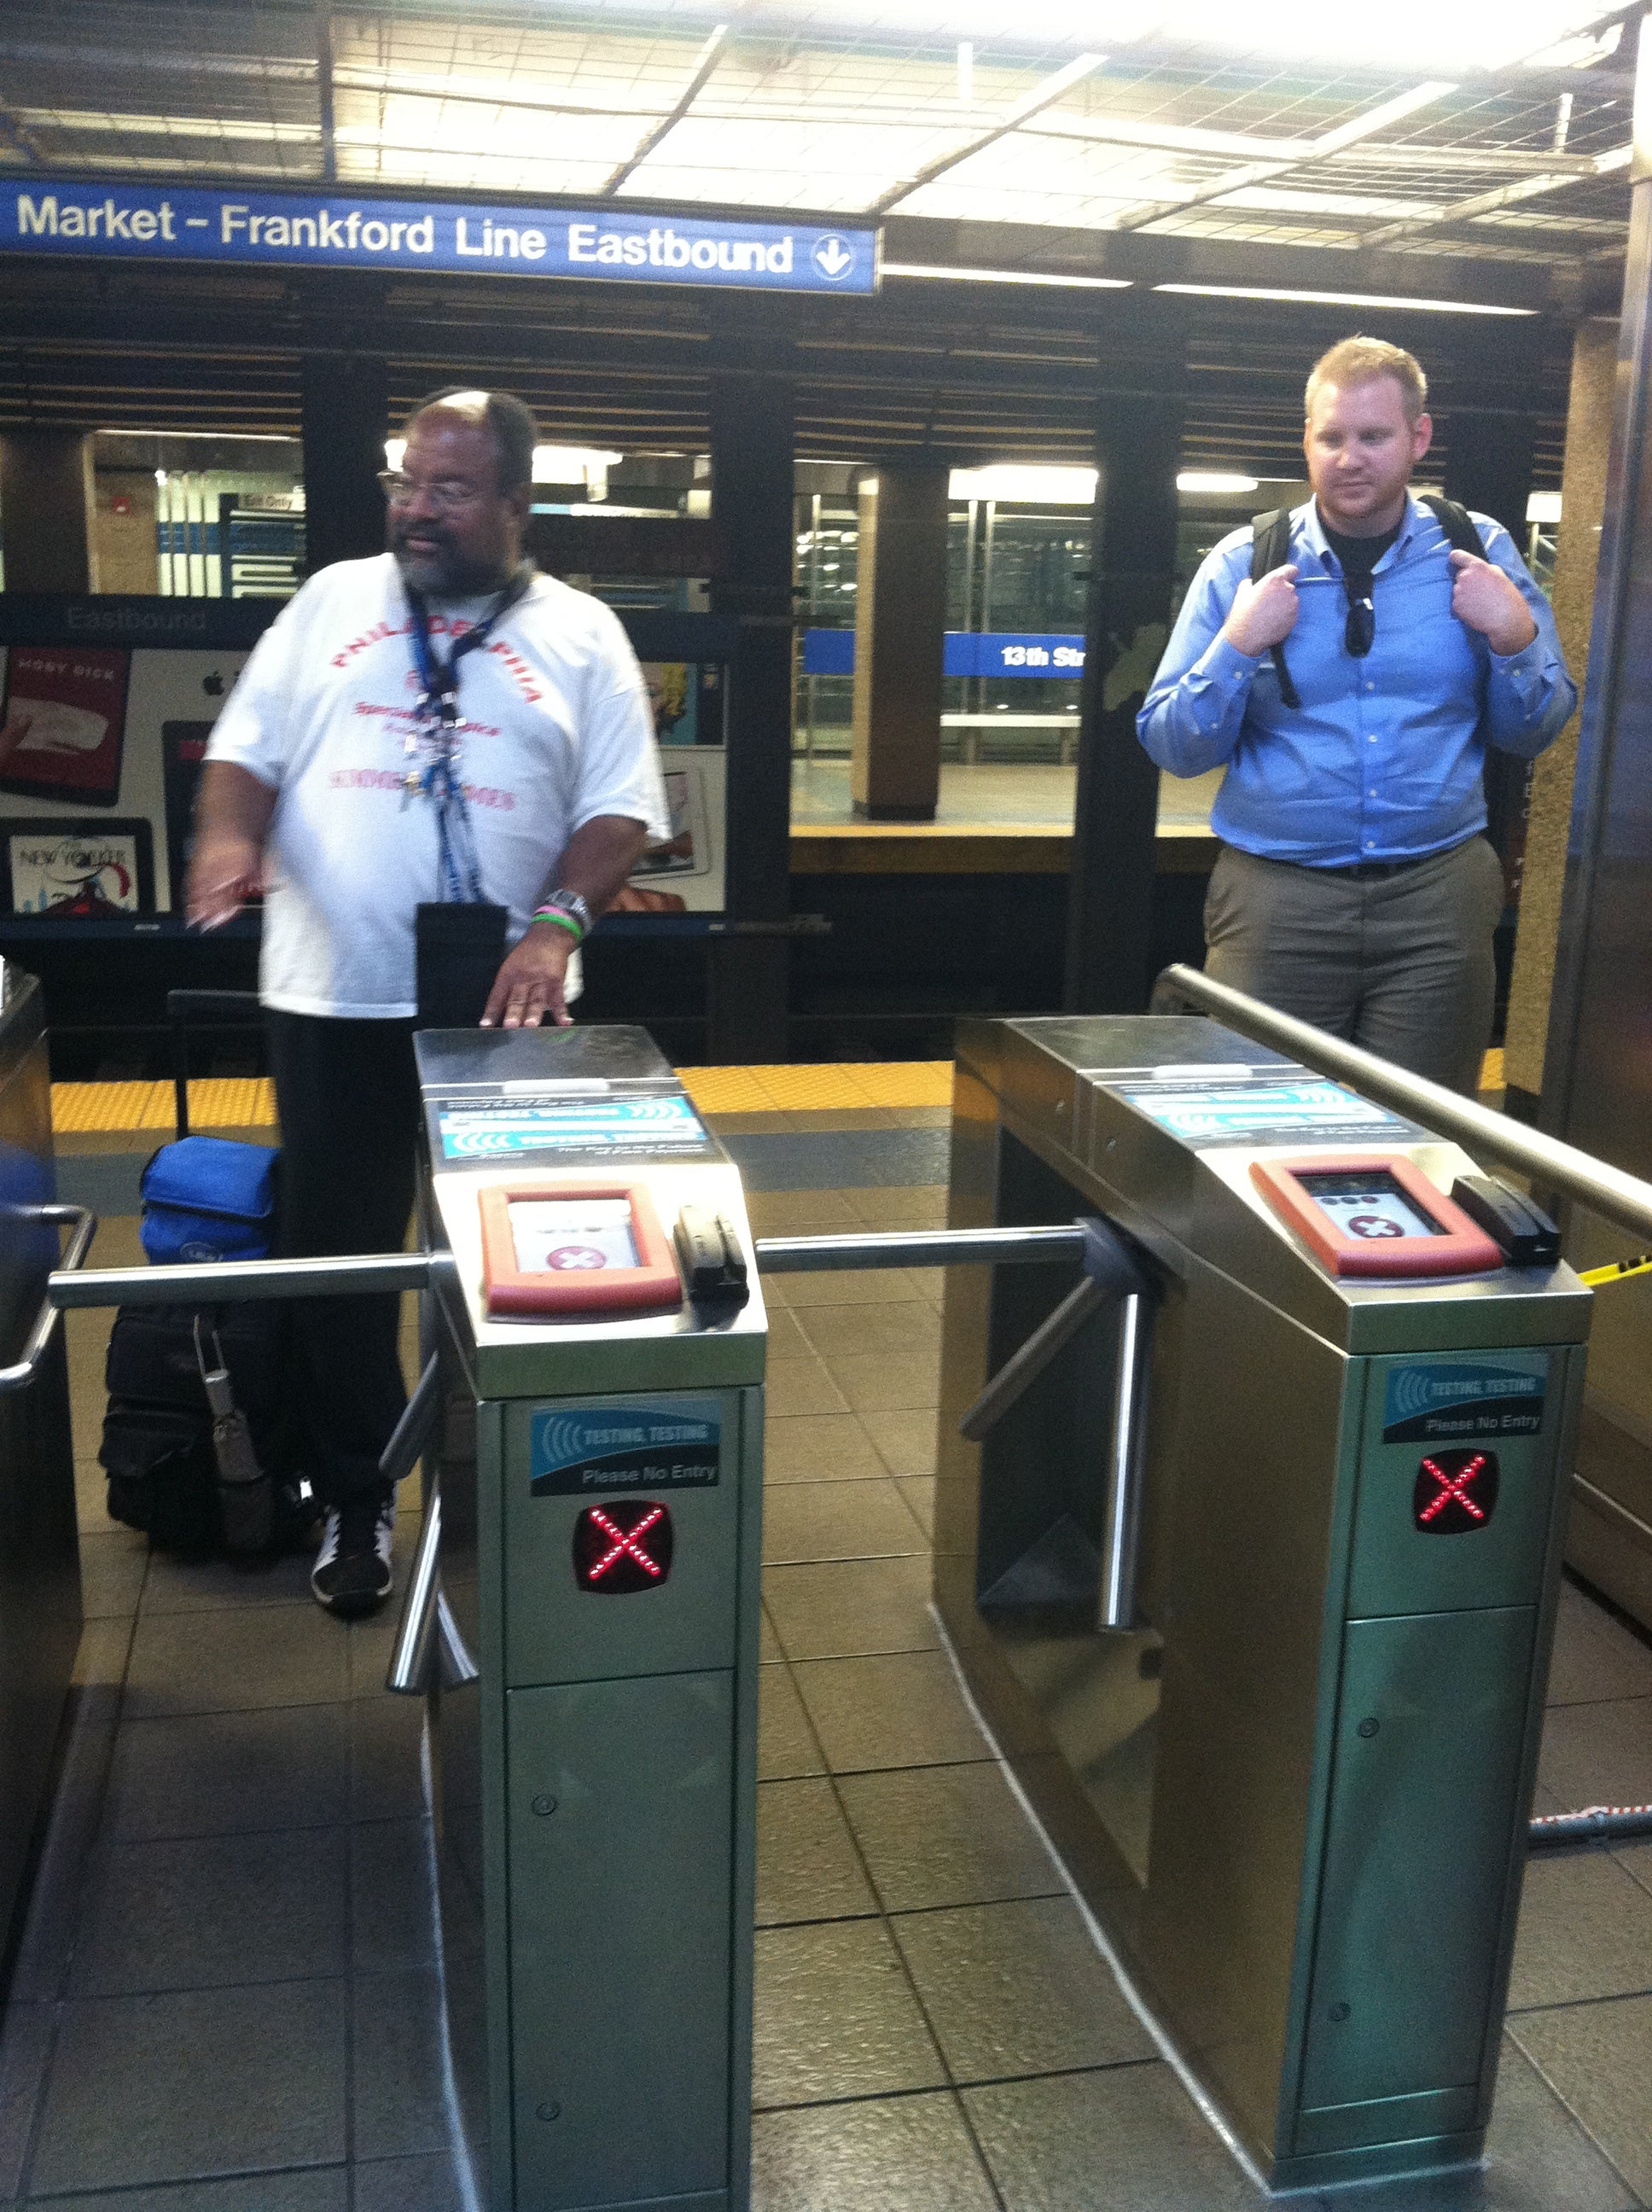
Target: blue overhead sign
point(1014, 653)
point(310, 230)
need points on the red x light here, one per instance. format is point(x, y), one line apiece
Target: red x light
point(621, 1549)
point(1455, 1492)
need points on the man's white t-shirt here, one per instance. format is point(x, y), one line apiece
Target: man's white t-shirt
point(557, 731)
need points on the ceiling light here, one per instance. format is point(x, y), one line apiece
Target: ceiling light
point(571, 464)
point(1345, 299)
point(1214, 480)
point(1543, 506)
point(1006, 277)
point(1026, 484)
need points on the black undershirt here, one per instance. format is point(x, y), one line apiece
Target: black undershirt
point(1359, 556)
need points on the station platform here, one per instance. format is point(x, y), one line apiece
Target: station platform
point(227, 1999)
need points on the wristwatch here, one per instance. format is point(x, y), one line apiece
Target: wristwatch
point(568, 910)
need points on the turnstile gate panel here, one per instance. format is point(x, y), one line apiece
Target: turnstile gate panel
point(600, 1483)
point(1295, 1787)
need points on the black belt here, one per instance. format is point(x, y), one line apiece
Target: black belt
point(1365, 871)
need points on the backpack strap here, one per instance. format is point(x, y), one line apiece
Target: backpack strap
point(1270, 548)
point(1457, 523)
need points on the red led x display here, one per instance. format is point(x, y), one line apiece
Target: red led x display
point(1456, 1492)
point(620, 1549)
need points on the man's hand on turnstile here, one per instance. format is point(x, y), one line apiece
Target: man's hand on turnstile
point(528, 989)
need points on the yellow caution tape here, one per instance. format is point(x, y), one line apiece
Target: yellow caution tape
point(1618, 1271)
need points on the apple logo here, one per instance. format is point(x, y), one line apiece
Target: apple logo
point(213, 685)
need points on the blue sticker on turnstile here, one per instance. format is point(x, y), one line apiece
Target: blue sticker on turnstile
point(574, 1450)
point(1263, 1112)
point(586, 1125)
point(1463, 1401)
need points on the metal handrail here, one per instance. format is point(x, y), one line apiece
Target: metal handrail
point(1607, 1191)
point(23, 1370)
point(921, 1247)
point(233, 1282)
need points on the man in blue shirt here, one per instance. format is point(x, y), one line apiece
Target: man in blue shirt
point(1354, 888)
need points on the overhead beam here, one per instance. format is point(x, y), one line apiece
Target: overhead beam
point(17, 135)
point(324, 91)
point(710, 54)
point(1526, 188)
point(1041, 97)
point(1320, 150)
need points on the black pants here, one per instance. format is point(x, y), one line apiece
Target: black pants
point(348, 1098)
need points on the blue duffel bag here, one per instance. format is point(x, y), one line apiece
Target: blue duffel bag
point(209, 1198)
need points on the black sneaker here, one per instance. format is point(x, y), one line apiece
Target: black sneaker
point(351, 1575)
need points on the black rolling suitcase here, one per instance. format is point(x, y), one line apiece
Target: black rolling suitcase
point(195, 1441)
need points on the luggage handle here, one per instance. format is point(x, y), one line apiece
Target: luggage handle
point(23, 1372)
point(225, 1006)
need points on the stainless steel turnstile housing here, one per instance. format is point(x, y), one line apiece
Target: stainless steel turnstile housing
point(596, 1784)
point(40, 1545)
point(1295, 1791)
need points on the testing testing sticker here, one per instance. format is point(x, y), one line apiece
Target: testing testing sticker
point(663, 1446)
point(1460, 1402)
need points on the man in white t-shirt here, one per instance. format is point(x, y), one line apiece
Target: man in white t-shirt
point(440, 723)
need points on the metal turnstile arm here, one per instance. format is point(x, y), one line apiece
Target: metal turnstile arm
point(1113, 1271)
point(23, 1370)
point(427, 1631)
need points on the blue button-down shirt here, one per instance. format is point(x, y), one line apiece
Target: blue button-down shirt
point(1382, 760)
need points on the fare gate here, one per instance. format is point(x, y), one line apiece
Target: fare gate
point(1246, 1540)
point(1267, 1647)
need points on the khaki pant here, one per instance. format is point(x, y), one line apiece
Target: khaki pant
point(1399, 963)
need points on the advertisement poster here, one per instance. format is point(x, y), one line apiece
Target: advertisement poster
point(78, 869)
point(63, 723)
point(183, 749)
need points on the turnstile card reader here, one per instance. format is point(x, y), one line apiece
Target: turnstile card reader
point(1376, 1216)
point(1295, 1791)
point(600, 1487)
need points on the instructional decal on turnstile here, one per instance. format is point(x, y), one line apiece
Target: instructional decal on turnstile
point(1464, 1403)
point(588, 1125)
point(574, 1450)
point(1263, 1112)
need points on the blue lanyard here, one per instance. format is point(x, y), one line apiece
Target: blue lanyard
point(439, 780)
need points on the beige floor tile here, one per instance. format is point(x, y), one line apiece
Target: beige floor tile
point(906, 1441)
point(818, 1448)
point(908, 1330)
point(890, 1383)
point(802, 1386)
point(808, 1521)
point(846, 1609)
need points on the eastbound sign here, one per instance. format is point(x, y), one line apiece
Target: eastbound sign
point(309, 230)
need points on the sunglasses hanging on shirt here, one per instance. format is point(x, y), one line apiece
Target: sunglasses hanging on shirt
point(1359, 632)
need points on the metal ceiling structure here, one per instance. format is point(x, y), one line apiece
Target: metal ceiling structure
point(1261, 125)
point(1268, 150)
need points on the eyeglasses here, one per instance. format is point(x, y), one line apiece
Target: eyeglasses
point(1359, 632)
point(444, 498)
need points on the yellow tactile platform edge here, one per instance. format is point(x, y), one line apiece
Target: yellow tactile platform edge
point(215, 1102)
point(248, 1102)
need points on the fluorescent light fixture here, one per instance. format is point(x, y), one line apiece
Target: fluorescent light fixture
point(572, 464)
point(1029, 484)
point(1344, 299)
point(1543, 506)
point(1054, 277)
point(1215, 480)
point(394, 449)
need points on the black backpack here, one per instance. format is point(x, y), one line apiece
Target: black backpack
point(1270, 548)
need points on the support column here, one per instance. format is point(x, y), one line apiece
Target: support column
point(1489, 469)
point(345, 405)
point(1582, 502)
point(751, 480)
point(900, 619)
point(45, 499)
point(1132, 582)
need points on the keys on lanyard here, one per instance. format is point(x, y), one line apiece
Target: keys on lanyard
point(435, 745)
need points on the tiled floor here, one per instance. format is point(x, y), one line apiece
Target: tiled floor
point(225, 2000)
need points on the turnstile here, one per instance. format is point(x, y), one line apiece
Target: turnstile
point(39, 1543)
point(1257, 1591)
point(594, 1704)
